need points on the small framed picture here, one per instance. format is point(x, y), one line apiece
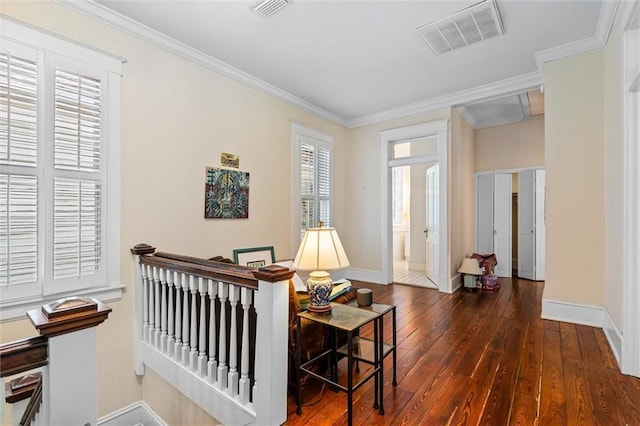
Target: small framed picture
point(254, 257)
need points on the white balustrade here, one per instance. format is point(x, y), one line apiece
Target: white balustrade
point(192, 322)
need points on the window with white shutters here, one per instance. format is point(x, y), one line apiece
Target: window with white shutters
point(58, 181)
point(312, 185)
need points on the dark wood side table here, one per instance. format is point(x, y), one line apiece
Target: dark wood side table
point(348, 319)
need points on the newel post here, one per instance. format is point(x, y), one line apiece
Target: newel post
point(69, 392)
point(140, 313)
point(272, 308)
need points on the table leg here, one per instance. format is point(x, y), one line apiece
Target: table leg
point(297, 367)
point(393, 331)
point(350, 378)
point(380, 357)
point(376, 378)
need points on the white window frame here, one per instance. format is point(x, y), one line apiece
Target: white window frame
point(298, 133)
point(52, 50)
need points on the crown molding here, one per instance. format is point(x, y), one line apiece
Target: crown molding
point(598, 40)
point(464, 112)
point(486, 92)
point(508, 86)
point(156, 38)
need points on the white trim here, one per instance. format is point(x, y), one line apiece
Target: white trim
point(171, 45)
point(598, 40)
point(17, 310)
point(440, 129)
point(138, 413)
point(456, 283)
point(464, 112)
point(575, 313)
point(591, 315)
point(38, 38)
point(512, 85)
point(509, 86)
point(631, 208)
point(365, 275)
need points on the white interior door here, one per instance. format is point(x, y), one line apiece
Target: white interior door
point(531, 224)
point(502, 224)
point(540, 225)
point(484, 236)
point(433, 222)
point(526, 224)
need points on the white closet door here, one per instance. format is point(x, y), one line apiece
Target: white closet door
point(502, 224)
point(484, 242)
point(526, 224)
point(540, 225)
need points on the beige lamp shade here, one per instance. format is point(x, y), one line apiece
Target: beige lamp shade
point(470, 266)
point(320, 250)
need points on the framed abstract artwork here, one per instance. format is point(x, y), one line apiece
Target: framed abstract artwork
point(254, 257)
point(226, 194)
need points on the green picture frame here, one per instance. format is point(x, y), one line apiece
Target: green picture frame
point(254, 257)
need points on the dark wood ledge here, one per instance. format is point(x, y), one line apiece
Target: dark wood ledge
point(68, 315)
point(142, 248)
point(273, 273)
point(21, 388)
point(23, 355)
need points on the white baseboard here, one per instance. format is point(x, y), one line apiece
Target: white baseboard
point(138, 413)
point(456, 283)
point(594, 316)
point(365, 275)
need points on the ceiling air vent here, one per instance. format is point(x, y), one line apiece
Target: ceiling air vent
point(471, 25)
point(269, 7)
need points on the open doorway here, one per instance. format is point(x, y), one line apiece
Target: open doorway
point(412, 217)
point(511, 221)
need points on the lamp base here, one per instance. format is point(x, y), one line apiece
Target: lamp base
point(319, 286)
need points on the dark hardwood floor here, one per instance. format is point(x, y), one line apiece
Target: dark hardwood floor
point(486, 358)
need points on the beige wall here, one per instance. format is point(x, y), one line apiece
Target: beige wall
point(574, 149)
point(463, 155)
point(177, 117)
point(510, 146)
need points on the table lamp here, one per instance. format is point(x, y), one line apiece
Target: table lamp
point(470, 268)
point(320, 251)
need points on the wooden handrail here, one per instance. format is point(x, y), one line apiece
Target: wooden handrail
point(33, 406)
point(210, 269)
point(23, 355)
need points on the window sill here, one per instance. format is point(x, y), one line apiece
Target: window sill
point(17, 310)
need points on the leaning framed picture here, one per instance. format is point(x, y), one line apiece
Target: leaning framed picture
point(254, 257)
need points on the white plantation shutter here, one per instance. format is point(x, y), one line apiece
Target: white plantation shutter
point(18, 179)
point(77, 187)
point(18, 229)
point(59, 170)
point(313, 185)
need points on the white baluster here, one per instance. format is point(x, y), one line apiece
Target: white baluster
point(223, 293)
point(246, 296)
point(185, 320)
point(234, 296)
point(156, 299)
point(145, 303)
point(193, 354)
point(172, 276)
point(212, 365)
point(152, 315)
point(202, 339)
point(177, 346)
point(163, 309)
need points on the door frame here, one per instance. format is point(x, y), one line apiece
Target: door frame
point(439, 129)
point(630, 356)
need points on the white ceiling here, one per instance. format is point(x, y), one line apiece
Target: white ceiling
point(358, 61)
